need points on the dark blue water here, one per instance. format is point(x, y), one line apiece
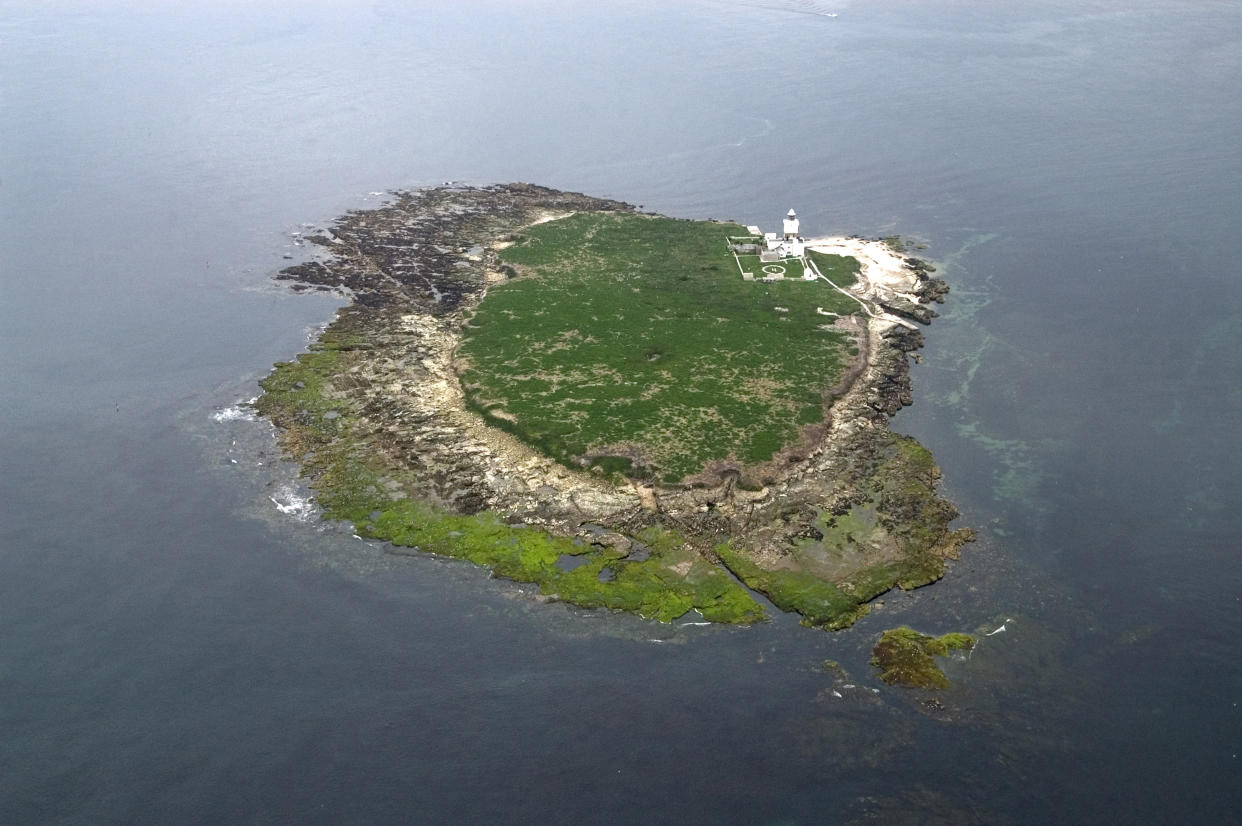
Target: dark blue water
point(175, 649)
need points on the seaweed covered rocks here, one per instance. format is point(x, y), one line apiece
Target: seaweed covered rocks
point(906, 657)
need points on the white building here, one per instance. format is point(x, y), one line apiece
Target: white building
point(788, 245)
point(791, 226)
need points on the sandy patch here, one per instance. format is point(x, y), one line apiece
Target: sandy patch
point(881, 267)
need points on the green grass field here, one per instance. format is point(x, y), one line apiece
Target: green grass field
point(752, 264)
point(838, 269)
point(635, 336)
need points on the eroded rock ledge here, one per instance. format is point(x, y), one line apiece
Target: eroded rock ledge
point(377, 417)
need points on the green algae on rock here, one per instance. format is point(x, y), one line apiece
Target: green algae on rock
point(906, 657)
point(417, 421)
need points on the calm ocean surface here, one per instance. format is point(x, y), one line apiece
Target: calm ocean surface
point(175, 649)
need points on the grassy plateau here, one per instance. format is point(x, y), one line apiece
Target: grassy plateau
point(631, 342)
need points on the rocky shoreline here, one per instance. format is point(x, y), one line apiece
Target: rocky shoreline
point(377, 417)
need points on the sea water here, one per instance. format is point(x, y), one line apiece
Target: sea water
point(181, 640)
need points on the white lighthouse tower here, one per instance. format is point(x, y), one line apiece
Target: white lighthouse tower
point(791, 226)
point(785, 245)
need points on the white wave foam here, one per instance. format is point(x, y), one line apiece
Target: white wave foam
point(289, 502)
point(235, 413)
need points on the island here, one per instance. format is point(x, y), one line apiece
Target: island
point(630, 411)
point(906, 657)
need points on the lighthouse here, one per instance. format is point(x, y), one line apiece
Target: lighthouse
point(791, 226)
point(785, 245)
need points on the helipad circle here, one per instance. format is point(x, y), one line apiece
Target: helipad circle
point(774, 269)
